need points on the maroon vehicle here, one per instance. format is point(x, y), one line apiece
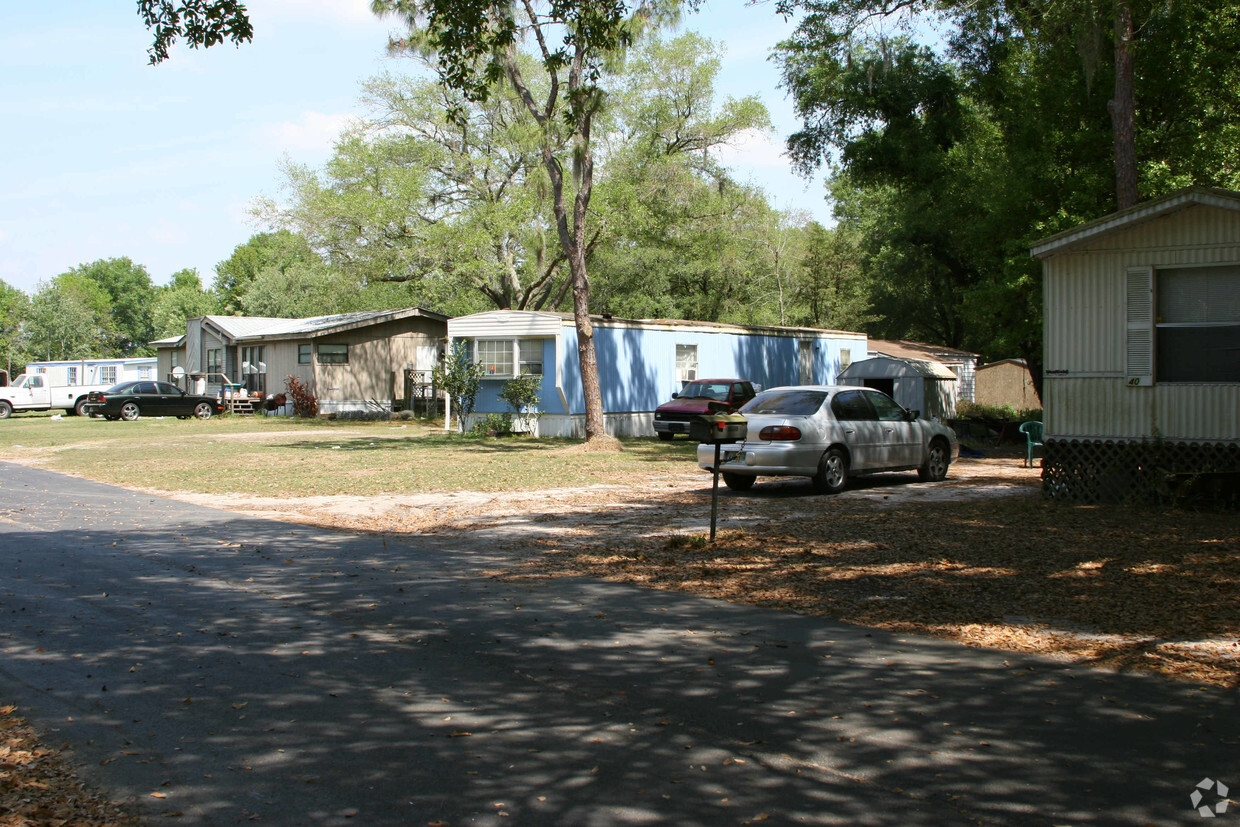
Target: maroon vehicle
point(703, 396)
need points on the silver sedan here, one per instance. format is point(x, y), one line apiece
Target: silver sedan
point(830, 433)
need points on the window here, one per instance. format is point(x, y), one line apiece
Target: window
point(686, 363)
point(887, 409)
point(333, 354)
point(72, 376)
point(852, 406)
point(176, 357)
point(530, 355)
point(1197, 325)
point(145, 372)
point(845, 357)
point(303, 353)
point(215, 360)
point(107, 375)
point(495, 356)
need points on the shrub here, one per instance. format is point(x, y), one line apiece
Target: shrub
point(305, 404)
point(972, 410)
point(459, 377)
point(493, 424)
point(522, 394)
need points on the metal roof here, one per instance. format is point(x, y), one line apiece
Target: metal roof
point(240, 328)
point(1147, 211)
point(905, 349)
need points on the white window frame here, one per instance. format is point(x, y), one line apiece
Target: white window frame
point(686, 364)
point(71, 377)
point(508, 358)
point(107, 374)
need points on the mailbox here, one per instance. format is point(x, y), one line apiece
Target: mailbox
point(718, 429)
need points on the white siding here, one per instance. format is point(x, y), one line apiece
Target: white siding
point(1086, 390)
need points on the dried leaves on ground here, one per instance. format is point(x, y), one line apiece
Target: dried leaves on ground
point(1109, 586)
point(37, 786)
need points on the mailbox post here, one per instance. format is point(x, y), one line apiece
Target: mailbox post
point(717, 430)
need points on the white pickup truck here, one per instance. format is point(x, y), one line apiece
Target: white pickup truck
point(36, 393)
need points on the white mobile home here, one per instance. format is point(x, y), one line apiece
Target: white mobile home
point(94, 371)
point(1142, 346)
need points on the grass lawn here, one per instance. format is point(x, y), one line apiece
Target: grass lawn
point(283, 456)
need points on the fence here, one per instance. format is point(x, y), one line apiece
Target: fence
point(1142, 472)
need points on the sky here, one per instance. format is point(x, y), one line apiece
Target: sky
point(103, 156)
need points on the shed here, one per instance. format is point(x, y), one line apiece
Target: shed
point(1006, 382)
point(962, 363)
point(1142, 347)
point(642, 362)
point(917, 384)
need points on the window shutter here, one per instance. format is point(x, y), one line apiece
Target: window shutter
point(1140, 328)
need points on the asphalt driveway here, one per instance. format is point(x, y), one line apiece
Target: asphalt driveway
point(221, 669)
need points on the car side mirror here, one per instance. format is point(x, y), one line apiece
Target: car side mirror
point(913, 415)
point(675, 395)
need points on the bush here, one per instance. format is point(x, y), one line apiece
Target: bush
point(522, 395)
point(972, 410)
point(493, 425)
point(305, 404)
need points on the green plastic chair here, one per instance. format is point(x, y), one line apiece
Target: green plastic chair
point(1033, 439)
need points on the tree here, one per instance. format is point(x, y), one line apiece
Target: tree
point(278, 250)
point(14, 306)
point(200, 22)
point(476, 44)
point(182, 299)
point(124, 303)
point(949, 162)
point(63, 321)
point(460, 377)
point(452, 208)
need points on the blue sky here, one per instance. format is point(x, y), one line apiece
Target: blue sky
point(105, 156)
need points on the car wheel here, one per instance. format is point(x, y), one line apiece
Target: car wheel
point(6, 410)
point(832, 472)
point(130, 411)
point(935, 467)
point(203, 410)
point(739, 482)
point(80, 407)
point(666, 436)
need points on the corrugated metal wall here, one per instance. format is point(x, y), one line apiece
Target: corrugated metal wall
point(1085, 391)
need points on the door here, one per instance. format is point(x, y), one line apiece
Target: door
point(805, 361)
point(900, 439)
point(861, 433)
point(171, 401)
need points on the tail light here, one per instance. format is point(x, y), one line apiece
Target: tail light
point(780, 433)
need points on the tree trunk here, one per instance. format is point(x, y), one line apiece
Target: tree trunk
point(1123, 110)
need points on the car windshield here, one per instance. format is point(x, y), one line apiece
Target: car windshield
point(707, 390)
point(788, 401)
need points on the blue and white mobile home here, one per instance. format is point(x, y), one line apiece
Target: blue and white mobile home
point(642, 362)
point(94, 371)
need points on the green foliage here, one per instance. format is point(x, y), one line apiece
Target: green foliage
point(493, 424)
point(305, 403)
point(972, 410)
point(460, 377)
point(182, 299)
point(263, 253)
point(120, 293)
point(522, 394)
point(199, 22)
point(64, 321)
point(14, 307)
